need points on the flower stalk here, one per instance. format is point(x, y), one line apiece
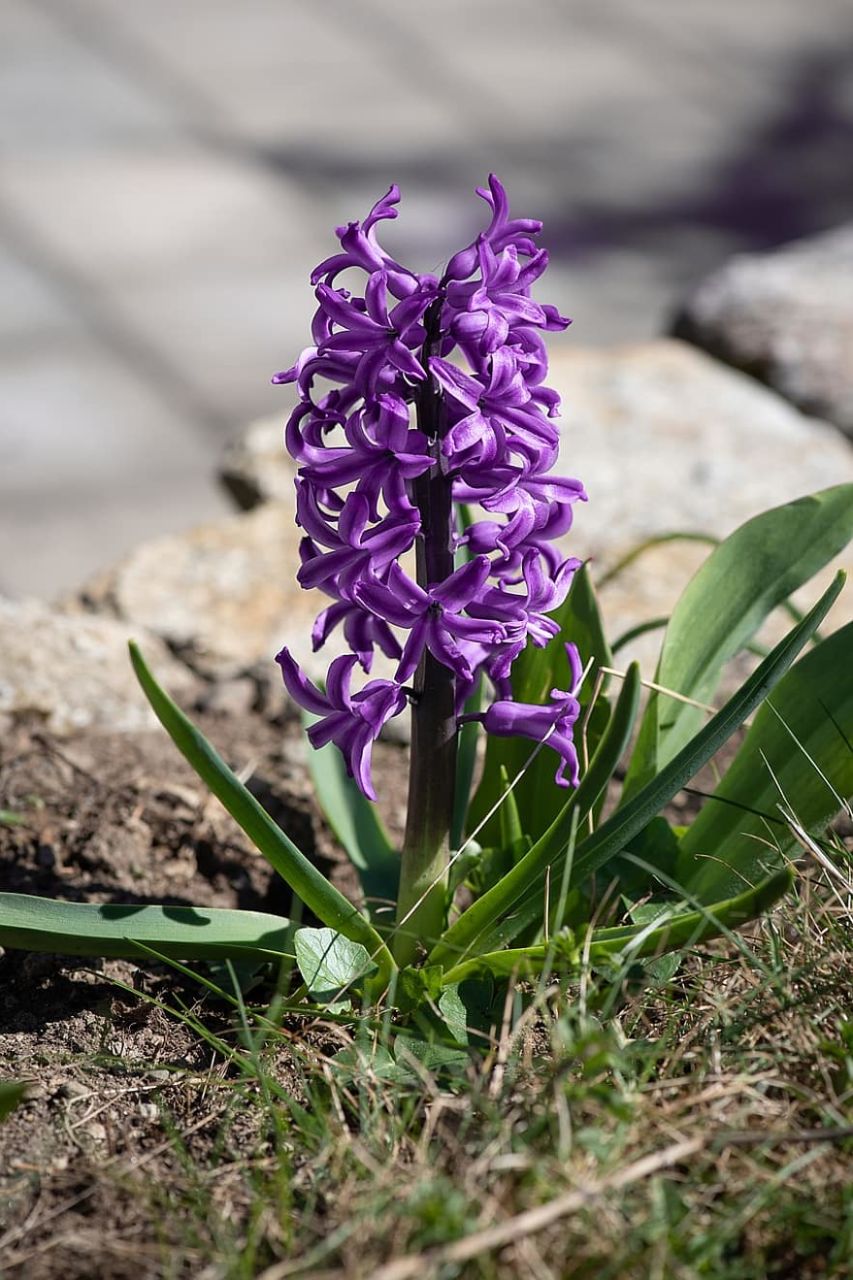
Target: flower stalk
point(432, 759)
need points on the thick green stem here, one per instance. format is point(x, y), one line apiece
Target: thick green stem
point(432, 762)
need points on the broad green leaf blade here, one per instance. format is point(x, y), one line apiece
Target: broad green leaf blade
point(798, 749)
point(329, 962)
point(491, 909)
point(357, 825)
point(12, 1094)
point(181, 933)
point(321, 897)
point(535, 673)
point(755, 569)
point(633, 942)
point(614, 834)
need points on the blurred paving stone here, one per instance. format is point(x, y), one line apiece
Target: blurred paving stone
point(787, 318)
point(39, 310)
point(74, 671)
point(228, 330)
point(56, 92)
point(129, 211)
point(92, 458)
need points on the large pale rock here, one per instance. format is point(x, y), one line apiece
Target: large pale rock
point(74, 671)
point(226, 591)
point(667, 439)
point(663, 437)
point(787, 318)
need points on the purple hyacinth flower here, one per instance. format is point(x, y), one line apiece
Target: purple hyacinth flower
point(433, 618)
point(356, 548)
point(502, 231)
point(380, 337)
point(352, 721)
point(553, 724)
point(363, 631)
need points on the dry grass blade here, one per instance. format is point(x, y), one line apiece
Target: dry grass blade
point(532, 1220)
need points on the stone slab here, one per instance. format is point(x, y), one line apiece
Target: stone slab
point(668, 440)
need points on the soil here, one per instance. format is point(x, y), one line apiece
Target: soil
point(112, 1078)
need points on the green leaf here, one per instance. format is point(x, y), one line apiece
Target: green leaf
point(614, 834)
point(755, 569)
point(329, 962)
point(492, 908)
point(12, 1094)
point(321, 897)
point(434, 1058)
point(655, 846)
point(512, 832)
point(10, 819)
point(797, 748)
point(466, 760)
point(181, 933)
point(675, 931)
point(357, 825)
point(454, 1013)
point(535, 673)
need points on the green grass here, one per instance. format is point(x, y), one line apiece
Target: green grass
point(698, 1128)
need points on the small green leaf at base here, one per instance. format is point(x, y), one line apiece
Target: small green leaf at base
point(330, 963)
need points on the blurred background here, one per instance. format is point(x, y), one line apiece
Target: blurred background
point(170, 172)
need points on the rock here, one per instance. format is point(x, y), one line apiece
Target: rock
point(225, 593)
point(667, 439)
point(74, 671)
point(787, 318)
point(256, 468)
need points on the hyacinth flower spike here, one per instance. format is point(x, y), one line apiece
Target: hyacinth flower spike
point(424, 393)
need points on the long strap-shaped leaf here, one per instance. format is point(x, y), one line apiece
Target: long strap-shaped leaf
point(321, 897)
point(612, 836)
point(683, 930)
point(181, 933)
point(459, 938)
point(755, 569)
point(797, 750)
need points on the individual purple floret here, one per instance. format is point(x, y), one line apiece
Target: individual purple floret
point(420, 394)
point(353, 721)
point(553, 723)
